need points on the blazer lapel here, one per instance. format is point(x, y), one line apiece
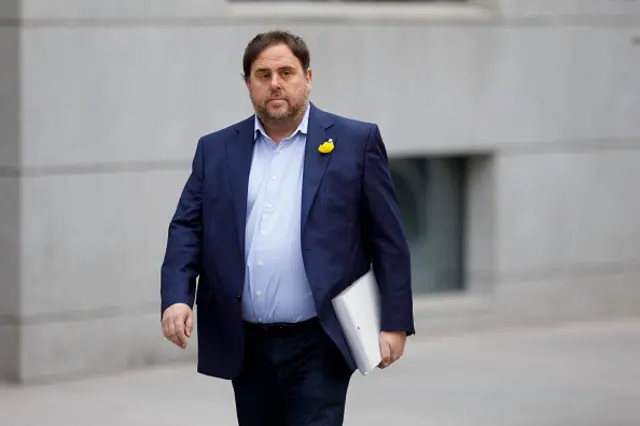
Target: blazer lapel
point(315, 162)
point(239, 153)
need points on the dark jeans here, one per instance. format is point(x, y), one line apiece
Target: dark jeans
point(292, 375)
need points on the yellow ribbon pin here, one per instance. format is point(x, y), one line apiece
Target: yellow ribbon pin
point(326, 147)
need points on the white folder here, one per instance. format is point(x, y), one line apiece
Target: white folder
point(358, 311)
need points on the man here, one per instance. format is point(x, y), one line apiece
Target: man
point(281, 212)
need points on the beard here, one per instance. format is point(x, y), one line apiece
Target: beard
point(281, 110)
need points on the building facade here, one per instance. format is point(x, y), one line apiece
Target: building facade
point(513, 128)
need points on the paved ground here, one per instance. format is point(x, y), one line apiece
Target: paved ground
point(575, 375)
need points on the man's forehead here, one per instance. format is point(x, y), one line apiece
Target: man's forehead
point(278, 59)
point(276, 55)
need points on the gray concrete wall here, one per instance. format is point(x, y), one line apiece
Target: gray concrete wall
point(567, 234)
point(113, 96)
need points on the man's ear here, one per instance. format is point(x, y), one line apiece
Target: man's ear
point(309, 77)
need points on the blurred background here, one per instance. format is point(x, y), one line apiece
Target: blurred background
point(513, 128)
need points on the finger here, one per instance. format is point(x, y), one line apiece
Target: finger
point(400, 346)
point(396, 350)
point(165, 326)
point(392, 355)
point(397, 356)
point(169, 331)
point(174, 339)
point(385, 352)
point(400, 352)
point(189, 324)
point(182, 338)
point(172, 335)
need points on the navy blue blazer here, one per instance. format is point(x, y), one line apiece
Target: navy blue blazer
point(350, 222)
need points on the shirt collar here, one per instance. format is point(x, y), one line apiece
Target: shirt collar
point(302, 127)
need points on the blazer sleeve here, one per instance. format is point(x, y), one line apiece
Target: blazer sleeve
point(181, 265)
point(389, 249)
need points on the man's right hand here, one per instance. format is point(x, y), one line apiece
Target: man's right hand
point(177, 323)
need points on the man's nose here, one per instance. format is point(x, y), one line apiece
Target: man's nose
point(275, 81)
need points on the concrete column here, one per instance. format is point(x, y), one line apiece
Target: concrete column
point(9, 188)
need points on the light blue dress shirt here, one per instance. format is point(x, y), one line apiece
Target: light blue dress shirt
point(276, 288)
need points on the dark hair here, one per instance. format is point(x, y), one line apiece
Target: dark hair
point(272, 38)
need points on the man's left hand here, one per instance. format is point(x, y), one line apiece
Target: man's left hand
point(391, 346)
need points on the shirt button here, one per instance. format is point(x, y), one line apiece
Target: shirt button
point(258, 293)
point(273, 178)
point(259, 319)
point(259, 262)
